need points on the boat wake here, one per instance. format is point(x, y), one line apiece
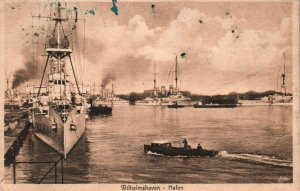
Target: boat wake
point(156, 154)
point(259, 159)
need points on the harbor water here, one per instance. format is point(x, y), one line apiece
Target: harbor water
point(255, 145)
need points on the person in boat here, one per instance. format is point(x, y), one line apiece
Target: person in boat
point(185, 144)
point(199, 147)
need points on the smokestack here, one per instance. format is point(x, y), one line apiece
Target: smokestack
point(171, 89)
point(7, 83)
point(106, 93)
point(112, 90)
point(163, 90)
point(102, 91)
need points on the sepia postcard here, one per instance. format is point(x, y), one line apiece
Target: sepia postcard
point(128, 95)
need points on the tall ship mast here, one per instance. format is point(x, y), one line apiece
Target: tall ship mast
point(153, 99)
point(155, 88)
point(283, 86)
point(59, 114)
point(164, 98)
point(176, 74)
point(175, 97)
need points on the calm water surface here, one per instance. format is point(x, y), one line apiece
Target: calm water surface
point(255, 145)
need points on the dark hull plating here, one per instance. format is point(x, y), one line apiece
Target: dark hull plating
point(216, 106)
point(176, 151)
point(100, 110)
point(175, 106)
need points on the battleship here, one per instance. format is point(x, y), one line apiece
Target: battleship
point(175, 98)
point(59, 116)
point(280, 99)
point(172, 98)
point(101, 104)
point(12, 98)
point(116, 101)
point(153, 99)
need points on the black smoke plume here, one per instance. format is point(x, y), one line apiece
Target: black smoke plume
point(108, 77)
point(32, 70)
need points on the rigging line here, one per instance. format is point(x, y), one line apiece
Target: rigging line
point(67, 17)
point(54, 30)
point(179, 77)
point(70, 30)
point(75, 49)
point(62, 28)
point(48, 32)
point(38, 39)
point(171, 70)
point(76, 56)
point(6, 175)
point(84, 67)
point(43, 74)
point(66, 9)
point(32, 42)
point(76, 39)
point(79, 54)
point(73, 45)
point(81, 12)
point(172, 79)
point(74, 75)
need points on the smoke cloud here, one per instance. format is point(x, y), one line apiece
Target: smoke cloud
point(108, 77)
point(31, 70)
point(226, 49)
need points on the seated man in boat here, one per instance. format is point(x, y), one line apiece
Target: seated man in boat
point(199, 147)
point(184, 143)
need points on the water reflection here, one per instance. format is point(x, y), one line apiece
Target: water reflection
point(111, 150)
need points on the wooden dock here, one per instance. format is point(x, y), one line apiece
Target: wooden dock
point(14, 139)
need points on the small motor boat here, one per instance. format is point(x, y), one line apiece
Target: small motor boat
point(168, 150)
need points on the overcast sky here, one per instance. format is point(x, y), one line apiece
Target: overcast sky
point(229, 46)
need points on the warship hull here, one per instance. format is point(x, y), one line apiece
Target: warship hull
point(100, 110)
point(60, 136)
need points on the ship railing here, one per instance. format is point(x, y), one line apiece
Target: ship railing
point(54, 166)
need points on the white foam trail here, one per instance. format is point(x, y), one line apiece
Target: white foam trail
point(177, 156)
point(152, 153)
point(262, 159)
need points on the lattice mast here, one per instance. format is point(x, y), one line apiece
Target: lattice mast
point(58, 48)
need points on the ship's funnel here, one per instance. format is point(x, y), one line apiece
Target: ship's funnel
point(163, 90)
point(155, 93)
point(171, 90)
point(104, 92)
